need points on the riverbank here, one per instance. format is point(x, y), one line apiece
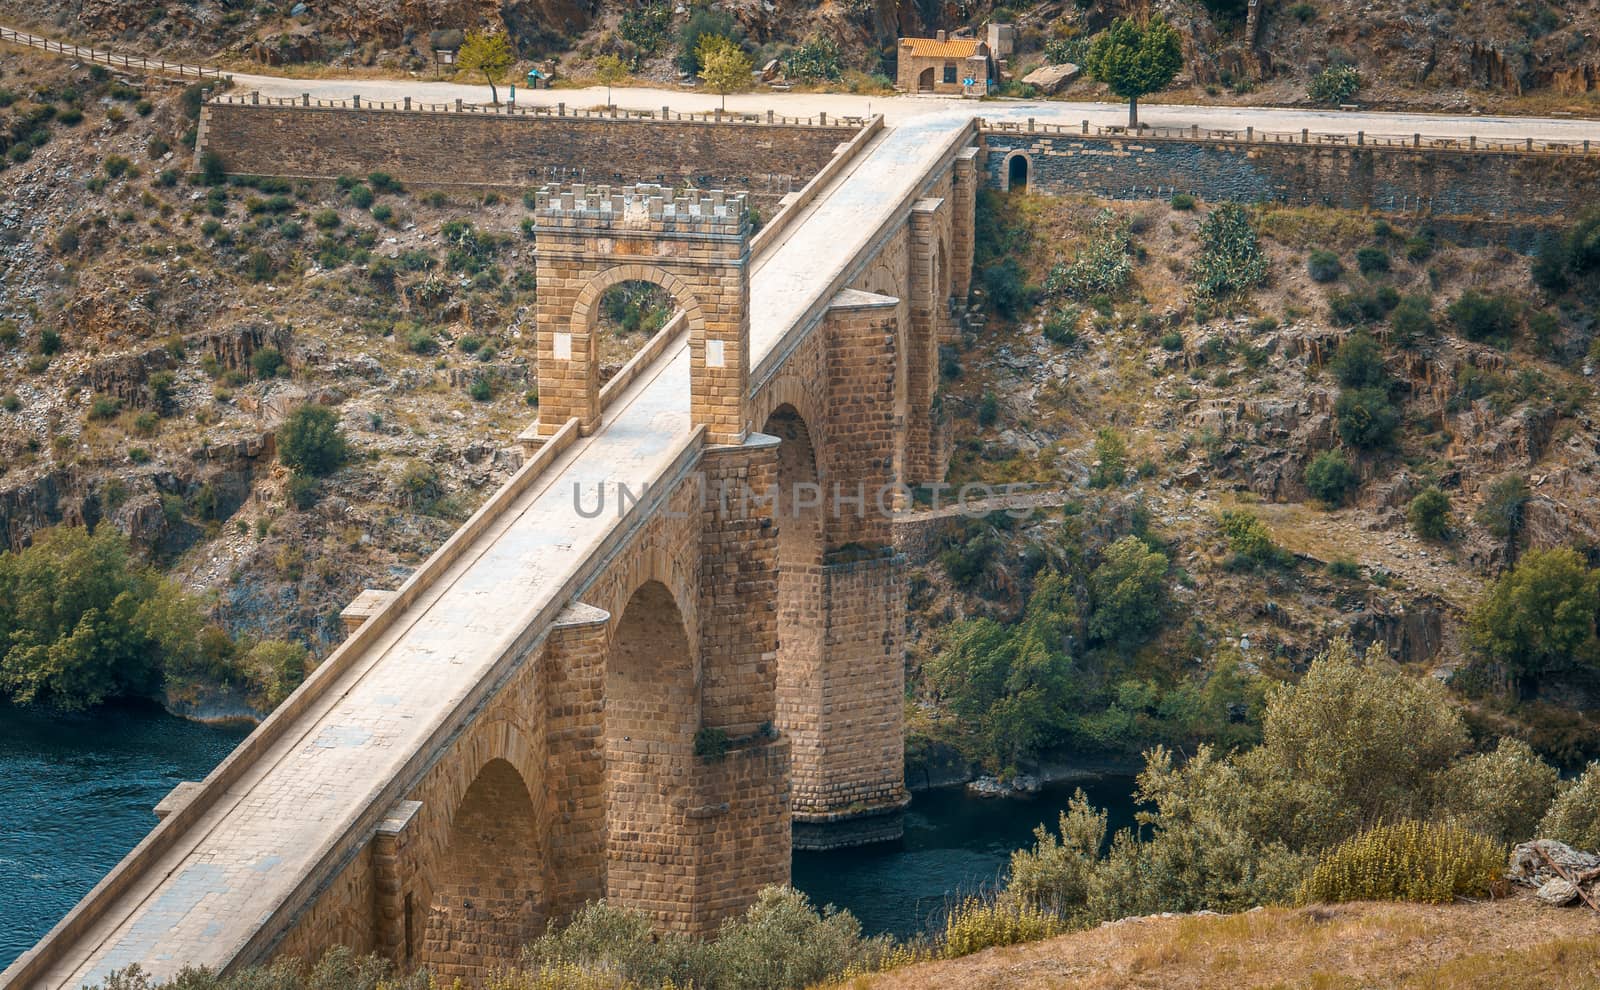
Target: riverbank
point(1499, 944)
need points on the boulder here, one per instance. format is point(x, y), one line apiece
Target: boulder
point(1049, 79)
point(1557, 893)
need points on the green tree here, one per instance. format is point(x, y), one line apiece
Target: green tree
point(1128, 590)
point(1134, 59)
point(81, 622)
point(1429, 514)
point(610, 70)
point(311, 442)
point(1574, 816)
point(1501, 511)
point(1539, 617)
point(1330, 478)
point(1110, 459)
point(1366, 418)
point(724, 66)
point(488, 52)
point(1010, 687)
point(1359, 362)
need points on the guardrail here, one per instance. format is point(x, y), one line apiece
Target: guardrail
point(1251, 136)
point(115, 60)
point(408, 105)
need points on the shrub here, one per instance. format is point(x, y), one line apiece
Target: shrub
point(1429, 514)
point(267, 362)
point(1111, 459)
point(360, 197)
point(1366, 418)
point(104, 407)
point(212, 170)
point(49, 341)
point(1330, 478)
point(1249, 537)
point(10, 402)
point(1484, 318)
point(1407, 861)
point(1172, 341)
point(1359, 363)
point(1539, 616)
point(1128, 590)
point(1501, 794)
point(1182, 201)
point(1344, 568)
point(420, 340)
point(117, 166)
point(382, 213)
point(1061, 326)
point(815, 59)
point(302, 491)
point(1101, 266)
point(975, 925)
point(261, 266)
point(1230, 258)
point(988, 408)
point(1501, 511)
point(1005, 287)
point(325, 219)
point(310, 441)
point(1335, 84)
point(1412, 320)
point(81, 622)
point(481, 390)
point(1372, 261)
point(1574, 816)
point(702, 23)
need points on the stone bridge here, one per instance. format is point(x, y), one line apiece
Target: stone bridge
point(633, 674)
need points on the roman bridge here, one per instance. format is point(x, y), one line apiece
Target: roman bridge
point(622, 677)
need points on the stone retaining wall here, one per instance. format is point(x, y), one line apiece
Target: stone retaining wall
point(1499, 185)
point(431, 147)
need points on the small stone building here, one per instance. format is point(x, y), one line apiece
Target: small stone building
point(941, 64)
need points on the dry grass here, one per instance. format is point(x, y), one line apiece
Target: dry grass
point(1505, 944)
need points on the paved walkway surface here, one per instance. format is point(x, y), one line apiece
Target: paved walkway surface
point(205, 898)
point(900, 109)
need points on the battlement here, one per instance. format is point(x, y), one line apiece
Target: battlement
point(641, 207)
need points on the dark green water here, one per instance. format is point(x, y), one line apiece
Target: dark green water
point(76, 793)
point(954, 846)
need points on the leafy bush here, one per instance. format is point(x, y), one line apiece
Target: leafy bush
point(1335, 84)
point(1501, 794)
point(481, 390)
point(1359, 363)
point(1172, 340)
point(704, 22)
point(267, 362)
point(1412, 320)
point(1182, 201)
point(1005, 286)
point(104, 407)
point(1323, 266)
point(277, 667)
point(1501, 511)
point(361, 197)
point(1539, 616)
point(1372, 261)
point(1111, 459)
point(1230, 258)
point(1366, 418)
point(814, 59)
point(1061, 326)
point(975, 925)
point(1101, 266)
point(1249, 537)
point(81, 621)
point(310, 441)
point(1128, 590)
point(1330, 478)
point(1429, 514)
point(212, 170)
point(1574, 816)
point(1407, 861)
point(1344, 568)
point(302, 490)
point(1484, 318)
point(1303, 12)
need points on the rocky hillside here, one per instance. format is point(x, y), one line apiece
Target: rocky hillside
point(155, 331)
point(1165, 415)
point(1498, 54)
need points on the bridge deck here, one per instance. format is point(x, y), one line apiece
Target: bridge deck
point(207, 896)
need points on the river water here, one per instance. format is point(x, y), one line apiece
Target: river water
point(76, 793)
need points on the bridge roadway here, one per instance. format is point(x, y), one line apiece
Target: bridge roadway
point(205, 899)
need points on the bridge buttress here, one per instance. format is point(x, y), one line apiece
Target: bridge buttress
point(930, 291)
point(964, 196)
point(572, 680)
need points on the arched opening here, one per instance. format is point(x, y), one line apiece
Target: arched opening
point(488, 899)
point(925, 81)
point(800, 548)
point(652, 710)
point(628, 315)
point(1017, 172)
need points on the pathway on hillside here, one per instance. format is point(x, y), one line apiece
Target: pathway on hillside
point(897, 109)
